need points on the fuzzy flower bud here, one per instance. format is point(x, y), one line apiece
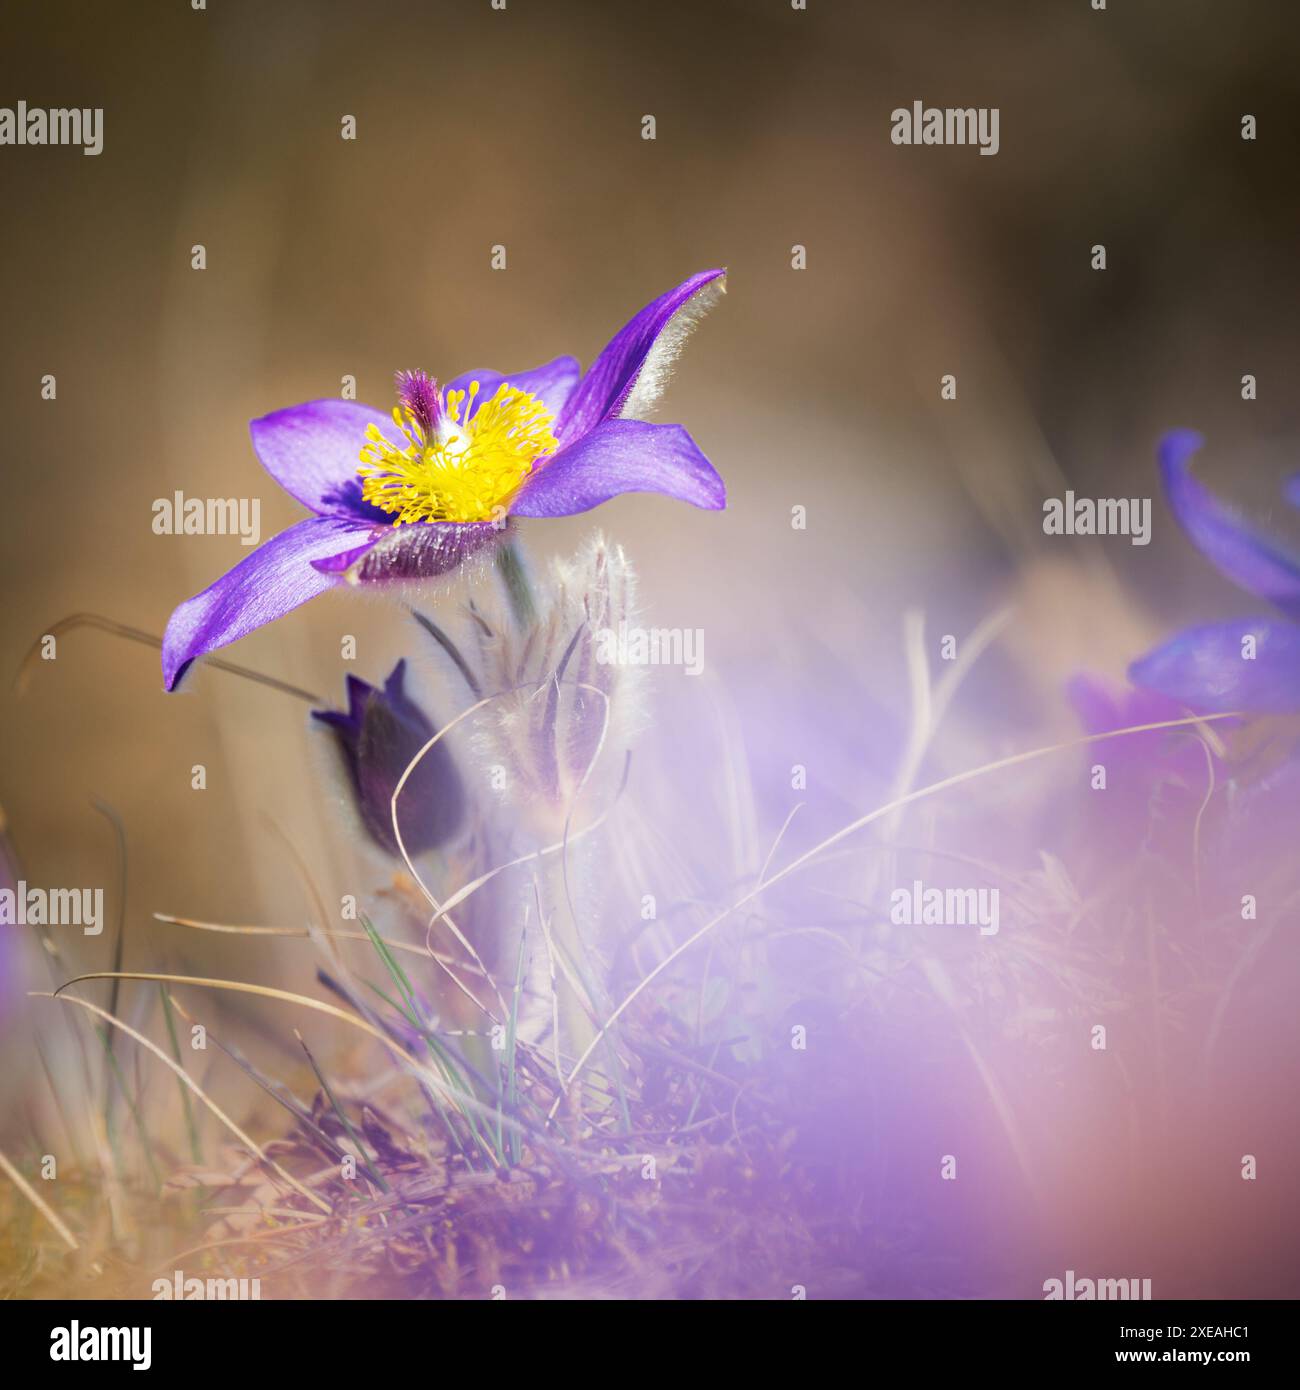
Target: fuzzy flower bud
point(546, 733)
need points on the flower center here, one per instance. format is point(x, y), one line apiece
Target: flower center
point(451, 465)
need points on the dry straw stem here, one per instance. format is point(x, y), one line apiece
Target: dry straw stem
point(559, 846)
point(242, 987)
point(135, 634)
point(37, 1201)
point(249, 1238)
point(439, 910)
point(180, 1071)
point(1000, 764)
point(425, 1075)
point(442, 911)
point(305, 934)
point(425, 951)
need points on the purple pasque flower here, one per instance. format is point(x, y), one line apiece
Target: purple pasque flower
point(1250, 664)
point(10, 945)
point(415, 494)
point(378, 736)
point(1156, 780)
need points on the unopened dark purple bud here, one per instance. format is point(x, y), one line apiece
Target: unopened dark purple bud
point(378, 737)
point(418, 392)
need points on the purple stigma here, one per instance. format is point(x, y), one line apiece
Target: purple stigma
point(418, 393)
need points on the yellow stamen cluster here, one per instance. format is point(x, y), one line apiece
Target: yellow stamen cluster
point(467, 469)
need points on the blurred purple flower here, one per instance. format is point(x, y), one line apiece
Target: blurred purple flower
point(378, 736)
point(11, 974)
point(414, 494)
point(1157, 780)
point(1209, 668)
point(1101, 708)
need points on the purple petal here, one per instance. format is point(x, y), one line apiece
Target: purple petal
point(621, 456)
point(551, 383)
point(1235, 547)
point(275, 579)
point(1140, 760)
point(341, 563)
point(1204, 667)
point(313, 452)
point(629, 374)
point(1101, 707)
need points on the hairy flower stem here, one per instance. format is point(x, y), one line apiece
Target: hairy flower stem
point(554, 1013)
point(514, 574)
point(566, 953)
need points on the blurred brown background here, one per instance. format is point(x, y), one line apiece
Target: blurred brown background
point(820, 387)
